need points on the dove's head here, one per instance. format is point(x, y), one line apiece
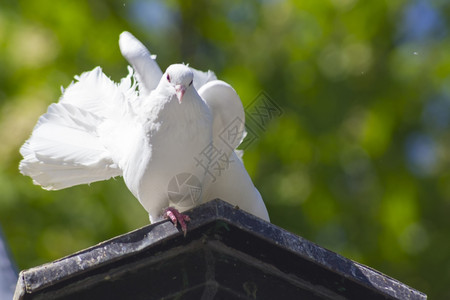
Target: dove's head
point(180, 77)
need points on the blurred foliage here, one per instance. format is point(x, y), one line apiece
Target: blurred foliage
point(358, 162)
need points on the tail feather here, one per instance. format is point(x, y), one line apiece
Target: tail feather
point(68, 134)
point(55, 176)
point(65, 149)
point(94, 92)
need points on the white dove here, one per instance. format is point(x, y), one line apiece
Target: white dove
point(174, 146)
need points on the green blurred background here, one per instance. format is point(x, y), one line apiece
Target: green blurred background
point(359, 161)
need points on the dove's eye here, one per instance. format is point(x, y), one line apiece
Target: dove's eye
point(191, 82)
point(168, 77)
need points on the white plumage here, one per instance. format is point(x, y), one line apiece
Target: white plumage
point(151, 128)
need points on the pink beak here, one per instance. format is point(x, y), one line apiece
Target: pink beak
point(180, 90)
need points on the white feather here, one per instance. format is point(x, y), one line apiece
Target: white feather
point(67, 146)
point(64, 150)
point(201, 78)
point(233, 184)
point(147, 70)
point(228, 112)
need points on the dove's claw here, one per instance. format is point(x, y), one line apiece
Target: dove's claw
point(176, 217)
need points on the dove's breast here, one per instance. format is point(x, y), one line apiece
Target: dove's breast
point(164, 169)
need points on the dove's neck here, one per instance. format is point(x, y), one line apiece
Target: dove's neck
point(165, 115)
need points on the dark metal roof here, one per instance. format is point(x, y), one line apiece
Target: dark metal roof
point(227, 254)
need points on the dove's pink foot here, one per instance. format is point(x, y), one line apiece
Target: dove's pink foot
point(176, 217)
